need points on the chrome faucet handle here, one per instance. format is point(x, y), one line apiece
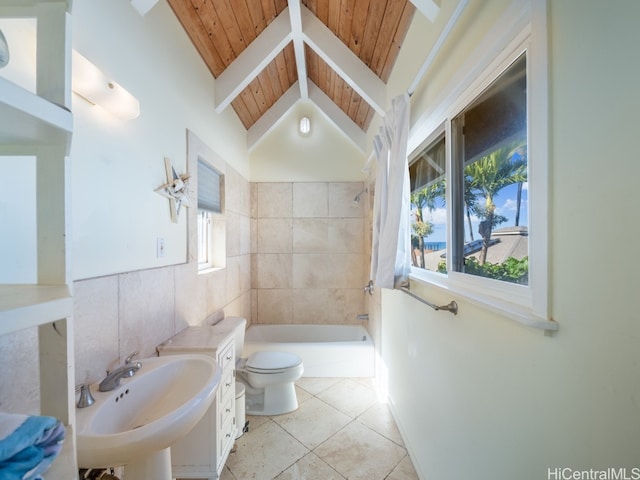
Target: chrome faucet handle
point(129, 359)
point(86, 399)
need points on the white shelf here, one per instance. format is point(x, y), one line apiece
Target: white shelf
point(24, 306)
point(28, 121)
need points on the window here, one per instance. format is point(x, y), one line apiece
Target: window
point(211, 223)
point(475, 230)
point(489, 167)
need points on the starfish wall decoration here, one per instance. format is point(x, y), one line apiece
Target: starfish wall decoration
point(175, 190)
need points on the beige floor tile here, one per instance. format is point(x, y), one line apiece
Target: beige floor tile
point(349, 396)
point(226, 474)
point(264, 452)
point(314, 423)
point(378, 418)
point(315, 385)
point(403, 471)
point(302, 395)
point(309, 467)
point(256, 420)
point(359, 453)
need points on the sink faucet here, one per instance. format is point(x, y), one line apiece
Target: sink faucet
point(112, 380)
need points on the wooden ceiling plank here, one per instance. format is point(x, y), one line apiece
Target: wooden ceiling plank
point(361, 115)
point(250, 102)
point(333, 17)
point(274, 77)
point(322, 11)
point(192, 23)
point(269, 10)
point(272, 117)
point(281, 5)
point(354, 106)
point(266, 90)
point(360, 14)
point(338, 117)
point(242, 13)
point(252, 61)
point(371, 29)
point(398, 39)
point(257, 15)
point(258, 94)
point(346, 19)
point(429, 8)
point(344, 62)
point(290, 58)
point(388, 28)
point(242, 111)
point(312, 5)
point(295, 15)
point(216, 34)
point(229, 24)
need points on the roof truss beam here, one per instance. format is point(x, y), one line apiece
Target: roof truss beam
point(252, 61)
point(429, 8)
point(344, 62)
point(295, 14)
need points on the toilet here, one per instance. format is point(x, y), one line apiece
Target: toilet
point(268, 376)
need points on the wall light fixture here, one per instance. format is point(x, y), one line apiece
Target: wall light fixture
point(304, 127)
point(90, 83)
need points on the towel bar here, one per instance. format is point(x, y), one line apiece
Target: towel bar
point(452, 306)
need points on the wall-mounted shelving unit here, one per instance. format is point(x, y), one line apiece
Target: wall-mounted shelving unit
point(40, 125)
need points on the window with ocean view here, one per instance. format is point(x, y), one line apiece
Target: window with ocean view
point(484, 197)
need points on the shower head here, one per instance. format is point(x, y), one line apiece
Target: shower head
point(356, 199)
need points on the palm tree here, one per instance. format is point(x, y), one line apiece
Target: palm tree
point(487, 176)
point(425, 198)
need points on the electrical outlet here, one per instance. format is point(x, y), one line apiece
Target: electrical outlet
point(160, 247)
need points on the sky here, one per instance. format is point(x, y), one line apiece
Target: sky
point(505, 202)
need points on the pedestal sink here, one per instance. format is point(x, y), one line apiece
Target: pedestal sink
point(135, 424)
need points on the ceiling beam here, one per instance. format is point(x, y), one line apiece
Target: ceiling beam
point(344, 62)
point(295, 15)
point(429, 8)
point(336, 116)
point(272, 117)
point(252, 61)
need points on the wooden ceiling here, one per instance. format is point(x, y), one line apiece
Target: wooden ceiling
point(267, 54)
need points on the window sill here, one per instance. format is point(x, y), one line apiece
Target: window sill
point(518, 312)
point(207, 270)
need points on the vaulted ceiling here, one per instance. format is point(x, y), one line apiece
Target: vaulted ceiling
point(267, 54)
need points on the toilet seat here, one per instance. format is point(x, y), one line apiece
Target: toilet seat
point(268, 362)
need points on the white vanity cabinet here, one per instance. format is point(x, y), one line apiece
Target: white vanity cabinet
point(204, 451)
point(40, 124)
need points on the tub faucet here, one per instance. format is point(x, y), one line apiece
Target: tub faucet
point(112, 380)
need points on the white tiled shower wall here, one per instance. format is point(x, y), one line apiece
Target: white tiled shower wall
point(310, 260)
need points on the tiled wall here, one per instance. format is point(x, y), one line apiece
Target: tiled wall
point(309, 259)
point(136, 311)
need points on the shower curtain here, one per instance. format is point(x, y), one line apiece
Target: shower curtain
point(391, 249)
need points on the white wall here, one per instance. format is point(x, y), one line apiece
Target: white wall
point(479, 396)
point(116, 164)
point(324, 156)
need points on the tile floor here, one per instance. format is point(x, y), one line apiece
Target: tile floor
point(340, 431)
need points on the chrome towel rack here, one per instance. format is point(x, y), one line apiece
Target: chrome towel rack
point(452, 306)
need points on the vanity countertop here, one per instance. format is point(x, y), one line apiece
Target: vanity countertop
point(196, 339)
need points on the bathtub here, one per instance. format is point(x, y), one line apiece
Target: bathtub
point(326, 350)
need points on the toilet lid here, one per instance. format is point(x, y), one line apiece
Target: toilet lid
point(261, 361)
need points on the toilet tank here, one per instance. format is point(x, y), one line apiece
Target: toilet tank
point(238, 325)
